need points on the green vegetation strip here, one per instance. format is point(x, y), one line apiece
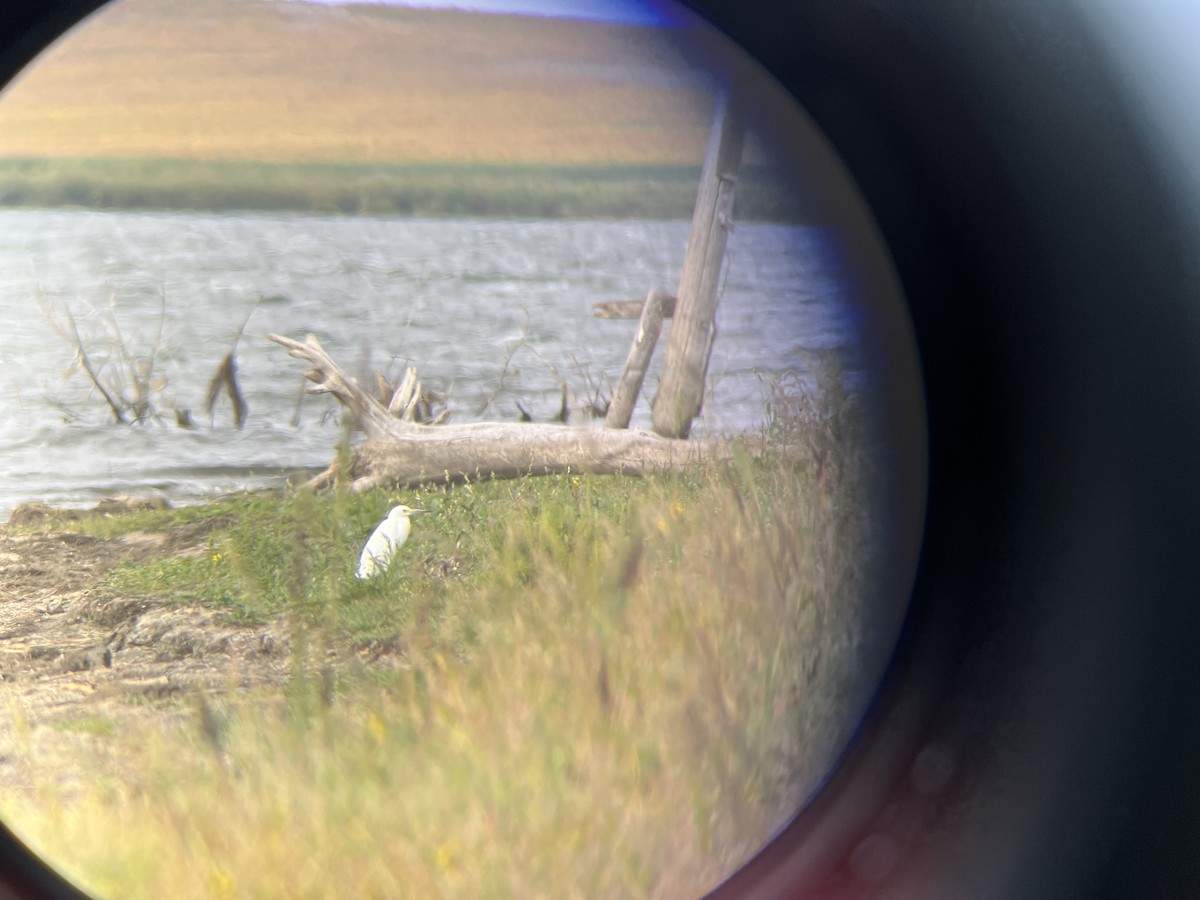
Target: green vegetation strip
point(411, 190)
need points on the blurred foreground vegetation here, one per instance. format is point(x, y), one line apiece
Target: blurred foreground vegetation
point(594, 686)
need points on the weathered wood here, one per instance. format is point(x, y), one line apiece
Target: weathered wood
point(403, 404)
point(630, 309)
point(410, 401)
point(426, 454)
point(620, 409)
point(386, 389)
point(408, 453)
point(685, 367)
point(328, 378)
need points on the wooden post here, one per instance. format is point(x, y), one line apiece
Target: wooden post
point(677, 401)
point(620, 409)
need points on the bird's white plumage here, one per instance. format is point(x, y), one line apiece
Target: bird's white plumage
point(385, 541)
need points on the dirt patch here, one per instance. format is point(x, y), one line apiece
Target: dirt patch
point(73, 658)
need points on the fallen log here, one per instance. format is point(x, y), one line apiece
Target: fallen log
point(453, 454)
point(407, 453)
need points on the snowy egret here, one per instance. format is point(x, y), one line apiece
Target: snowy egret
point(385, 541)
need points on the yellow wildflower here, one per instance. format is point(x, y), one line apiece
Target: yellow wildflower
point(221, 883)
point(376, 727)
point(447, 853)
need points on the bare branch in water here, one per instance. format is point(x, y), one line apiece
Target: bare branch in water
point(71, 333)
point(502, 381)
point(226, 377)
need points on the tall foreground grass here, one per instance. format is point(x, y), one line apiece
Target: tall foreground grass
point(600, 687)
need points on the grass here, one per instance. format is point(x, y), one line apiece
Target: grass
point(606, 687)
point(270, 553)
point(99, 726)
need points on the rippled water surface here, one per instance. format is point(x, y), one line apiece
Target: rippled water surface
point(454, 297)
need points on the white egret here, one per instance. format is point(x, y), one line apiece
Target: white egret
point(385, 541)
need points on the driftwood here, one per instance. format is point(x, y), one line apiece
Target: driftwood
point(408, 453)
point(410, 402)
point(630, 309)
point(620, 409)
point(452, 454)
point(681, 389)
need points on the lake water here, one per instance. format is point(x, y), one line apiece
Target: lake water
point(453, 297)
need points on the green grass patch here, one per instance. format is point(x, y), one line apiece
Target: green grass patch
point(272, 553)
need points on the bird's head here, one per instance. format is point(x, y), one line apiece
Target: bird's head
point(403, 512)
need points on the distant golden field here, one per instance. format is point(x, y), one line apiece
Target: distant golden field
point(287, 82)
